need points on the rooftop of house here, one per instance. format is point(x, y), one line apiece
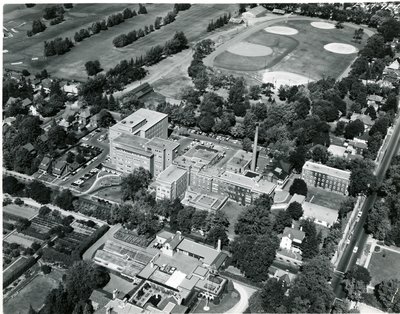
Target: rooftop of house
point(359, 144)
point(297, 198)
point(366, 119)
point(143, 117)
point(208, 254)
point(60, 165)
point(375, 98)
point(171, 174)
point(72, 88)
point(261, 186)
point(162, 143)
point(312, 166)
point(29, 147)
point(293, 234)
point(45, 162)
point(321, 213)
point(26, 102)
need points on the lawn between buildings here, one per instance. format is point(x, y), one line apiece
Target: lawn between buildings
point(324, 198)
point(384, 265)
point(71, 64)
point(302, 53)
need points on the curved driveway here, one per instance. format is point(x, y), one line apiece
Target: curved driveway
point(245, 293)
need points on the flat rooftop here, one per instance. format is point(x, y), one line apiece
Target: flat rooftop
point(162, 143)
point(148, 118)
point(240, 159)
point(171, 174)
point(132, 143)
point(312, 166)
point(320, 213)
point(261, 186)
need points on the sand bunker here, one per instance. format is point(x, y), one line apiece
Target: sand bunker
point(281, 30)
point(249, 50)
point(323, 25)
point(344, 49)
point(279, 78)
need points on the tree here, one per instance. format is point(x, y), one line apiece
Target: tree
point(359, 273)
point(142, 9)
point(11, 185)
point(310, 291)
point(219, 218)
point(184, 219)
point(320, 154)
point(389, 29)
point(247, 144)
point(378, 222)
point(206, 122)
point(46, 269)
point(199, 219)
point(105, 119)
point(354, 128)
point(254, 220)
point(135, 181)
point(93, 67)
point(282, 220)
point(201, 81)
point(255, 92)
point(39, 192)
point(44, 211)
point(80, 159)
point(38, 26)
point(273, 296)
point(299, 186)
point(387, 293)
point(312, 240)
point(253, 255)
point(57, 136)
point(340, 127)
point(64, 200)
point(361, 179)
point(216, 233)
point(295, 210)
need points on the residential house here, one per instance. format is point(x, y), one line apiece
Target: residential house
point(84, 116)
point(71, 89)
point(9, 121)
point(29, 147)
point(46, 83)
point(236, 20)
point(45, 165)
point(357, 146)
point(366, 119)
point(26, 103)
point(73, 166)
point(59, 168)
point(292, 239)
point(11, 101)
point(36, 84)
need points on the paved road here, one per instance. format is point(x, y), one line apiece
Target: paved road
point(359, 237)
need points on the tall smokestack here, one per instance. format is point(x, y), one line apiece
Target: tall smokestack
point(219, 245)
point(253, 162)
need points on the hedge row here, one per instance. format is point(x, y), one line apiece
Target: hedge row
point(9, 277)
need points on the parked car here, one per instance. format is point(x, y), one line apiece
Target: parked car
point(355, 249)
point(359, 214)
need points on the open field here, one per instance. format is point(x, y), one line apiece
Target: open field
point(302, 53)
point(325, 198)
point(22, 211)
point(384, 265)
point(232, 210)
point(21, 239)
point(71, 64)
point(34, 293)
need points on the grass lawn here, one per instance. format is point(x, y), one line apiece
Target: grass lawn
point(302, 53)
point(232, 210)
point(111, 193)
point(227, 302)
point(117, 282)
point(384, 265)
point(22, 211)
point(19, 238)
point(71, 64)
point(34, 293)
point(325, 198)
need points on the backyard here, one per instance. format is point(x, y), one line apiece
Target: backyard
point(228, 301)
point(324, 198)
point(34, 293)
point(384, 265)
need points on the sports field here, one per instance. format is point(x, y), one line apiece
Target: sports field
point(71, 65)
point(309, 52)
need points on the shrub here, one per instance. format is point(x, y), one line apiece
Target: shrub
point(7, 201)
point(216, 300)
point(46, 269)
point(18, 201)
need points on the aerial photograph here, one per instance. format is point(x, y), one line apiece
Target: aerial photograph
point(202, 157)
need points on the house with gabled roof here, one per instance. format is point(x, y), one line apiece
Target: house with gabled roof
point(29, 147)
point(26, 103)
point(84, 116)
point(292, 239)
point(45, 165)
point(59, 168)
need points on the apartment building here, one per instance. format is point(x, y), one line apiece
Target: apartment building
point(327, 178)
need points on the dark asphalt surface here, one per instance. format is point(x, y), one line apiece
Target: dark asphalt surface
point(359, 237)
